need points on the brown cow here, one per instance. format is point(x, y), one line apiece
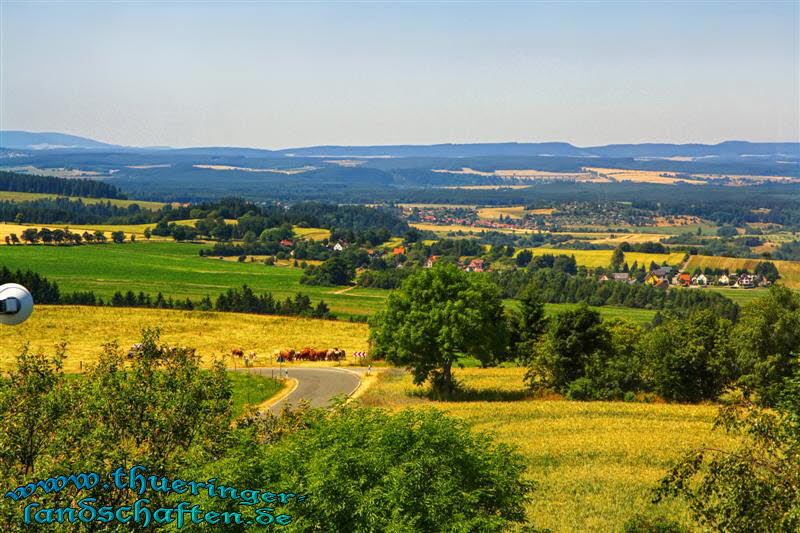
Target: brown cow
point(238, 352)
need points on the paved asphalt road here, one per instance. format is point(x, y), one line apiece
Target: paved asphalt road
point(318, 385)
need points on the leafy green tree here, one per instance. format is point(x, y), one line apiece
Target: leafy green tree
point(118, 237)
point(438, 315)
point(768, 271)
point(523, 258)
point(564, 352)
point(371, 470)
point(30, 235)
point(617, 260)
point(527, 324)
point(767, 342)
point(754, 487)
point(689, 358)
point(334, 271)
point(154, 406)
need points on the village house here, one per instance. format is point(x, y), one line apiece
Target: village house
point(476, 265)
point(658, 277)
point(338, 247)
point(400, 250)
point(429, 262)
point(286, 243)
point(745, 281)
point(723, 280)
point(700, 280)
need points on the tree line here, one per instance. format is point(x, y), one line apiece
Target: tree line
point(442, 314)
point(14, 181)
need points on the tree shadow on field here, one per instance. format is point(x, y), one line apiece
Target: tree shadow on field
point(469, 394)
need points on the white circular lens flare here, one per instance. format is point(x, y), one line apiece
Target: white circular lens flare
point(16, 304)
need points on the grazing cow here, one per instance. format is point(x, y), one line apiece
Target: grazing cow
point(238, 352)
point(335, 354)
point(286, 356)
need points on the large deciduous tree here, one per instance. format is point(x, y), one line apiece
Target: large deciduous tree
point(438, 315)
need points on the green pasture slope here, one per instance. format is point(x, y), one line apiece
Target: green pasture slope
point(177, 271)
point(174, 269)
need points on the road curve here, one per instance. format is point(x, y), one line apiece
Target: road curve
point(318, 385)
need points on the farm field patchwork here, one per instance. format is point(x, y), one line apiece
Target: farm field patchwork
point(85, 329)
point(175, 269)
point(595, 462)
point(13, 196)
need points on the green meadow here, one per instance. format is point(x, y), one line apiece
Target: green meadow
point(174, 269)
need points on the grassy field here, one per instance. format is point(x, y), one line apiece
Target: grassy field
point(86, 329)
point(251, 389)
point(12, 196)
point(595, 462)
point(175, 269)
point(637, 316)
point(789, 270)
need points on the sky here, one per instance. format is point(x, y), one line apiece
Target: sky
point(281, 74)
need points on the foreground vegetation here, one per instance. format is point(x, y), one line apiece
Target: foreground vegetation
point(595, 463)
point(411, 471)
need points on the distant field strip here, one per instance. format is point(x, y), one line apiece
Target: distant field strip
point(250, 169)
point(513, 212)
point(13, 196)
point(527, 174)
point(641, 176)
point(602, 258)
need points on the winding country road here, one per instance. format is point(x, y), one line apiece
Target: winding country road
point(318, 385)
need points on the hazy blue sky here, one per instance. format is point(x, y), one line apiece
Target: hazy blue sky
point(288, 74)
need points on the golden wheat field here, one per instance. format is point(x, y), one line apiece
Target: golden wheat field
point(641, 176)
point(444, 229)
point(789, 270)
point(595, 462)
point(316, 234)
point(511, 211)
point(86, 329)
point(138, 229)
point(128, 229)
point(602, 258)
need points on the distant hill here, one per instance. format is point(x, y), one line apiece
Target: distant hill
point(725, 149)
point(23, 140)
point(26, 140)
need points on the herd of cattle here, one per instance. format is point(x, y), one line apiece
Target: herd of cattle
point(281, 356)
point(306, 354)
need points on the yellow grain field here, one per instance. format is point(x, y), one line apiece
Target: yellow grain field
point(642, 176)
point(512, 211)
point(602, 258)
point(316, 234)
point(595, 462)
point(85, 329)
